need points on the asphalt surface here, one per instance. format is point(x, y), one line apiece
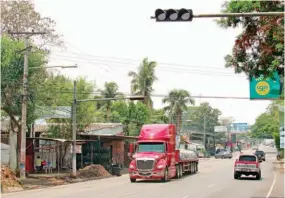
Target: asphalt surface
point(214, 180)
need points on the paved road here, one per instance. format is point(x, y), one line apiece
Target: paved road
point(214, 180)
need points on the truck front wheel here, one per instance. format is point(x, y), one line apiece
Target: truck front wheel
point(132, 180)
point(165, 177)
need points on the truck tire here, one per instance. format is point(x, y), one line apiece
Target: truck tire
point(165, 176)
point(181, 171)
point(177, 171)
point(132, 180)
point(197, 167)
point(236, 176)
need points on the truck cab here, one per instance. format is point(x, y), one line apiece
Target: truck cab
point(153, 156)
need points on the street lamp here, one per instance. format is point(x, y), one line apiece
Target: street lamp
point(57, 66)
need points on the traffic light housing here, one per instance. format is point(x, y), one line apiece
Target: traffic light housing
point(173, 15)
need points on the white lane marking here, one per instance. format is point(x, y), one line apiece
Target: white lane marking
point(272, 186)
point(211, 185)
point(122, 195)
point(186, 196)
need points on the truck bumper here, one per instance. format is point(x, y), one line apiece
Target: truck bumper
point(134, 174)
point(247, 171)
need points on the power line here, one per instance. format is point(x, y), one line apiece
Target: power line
point(175, 70)
point(166, 95)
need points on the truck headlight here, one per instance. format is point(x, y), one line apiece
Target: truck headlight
point(160, 166)
point(132, 166)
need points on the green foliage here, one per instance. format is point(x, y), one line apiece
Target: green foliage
point(143, 80)
point(63, 131)
point(158, 117)
point(132, 115)
point(204, 114)
point(11, 78)
point(267, 124)
point(177, 101)
point(110, 91)
point(259, 49)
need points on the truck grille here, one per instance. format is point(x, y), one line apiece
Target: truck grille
point(143, 164)
point(246, 166)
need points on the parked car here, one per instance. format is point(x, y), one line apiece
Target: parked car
point(260, 155)
point(223, 155)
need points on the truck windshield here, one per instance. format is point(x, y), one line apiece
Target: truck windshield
point(248, 158)
point(151, 147)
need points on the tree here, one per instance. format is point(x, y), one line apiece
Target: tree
point(143, 80)
point(259, 49)
point(58, 91)
point(264, 126)
point(177, 101)
point(267, 124)
point(158, 116)
point(110, 91)
point(11, 80)
point(20, 16)
point(132, 115)
point(204, 114)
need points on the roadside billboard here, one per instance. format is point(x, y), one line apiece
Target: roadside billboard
point(220, 129)
point(239, 128)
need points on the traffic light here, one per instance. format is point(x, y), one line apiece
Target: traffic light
point(174, 15)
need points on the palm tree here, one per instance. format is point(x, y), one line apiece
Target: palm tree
point(177, 101)
point(142, 81)
point(110, 91)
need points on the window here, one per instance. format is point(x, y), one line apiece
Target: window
point(248, 158)
point(151, 147)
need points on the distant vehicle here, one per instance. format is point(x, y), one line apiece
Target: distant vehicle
point(260, 155)
point(223, 155)
point(247, 165)
point(267, 142)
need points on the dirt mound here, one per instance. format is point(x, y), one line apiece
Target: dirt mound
point(94, 170)
point(9, 181)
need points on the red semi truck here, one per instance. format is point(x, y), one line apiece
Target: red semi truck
point(156, 155)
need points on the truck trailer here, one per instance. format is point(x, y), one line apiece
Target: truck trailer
point(157, 156)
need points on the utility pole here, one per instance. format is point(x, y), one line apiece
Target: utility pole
point(22, 153)
point(204, 138)
point(74, 131)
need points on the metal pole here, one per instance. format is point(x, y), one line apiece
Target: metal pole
point(74, 131)
point(250, 14)
point(24, 115)
point(204, 139)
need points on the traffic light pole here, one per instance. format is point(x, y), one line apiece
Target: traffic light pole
point(219, 15)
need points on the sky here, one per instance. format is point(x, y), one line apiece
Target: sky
point(109, 38)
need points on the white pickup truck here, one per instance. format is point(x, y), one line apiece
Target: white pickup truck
point(247, 165)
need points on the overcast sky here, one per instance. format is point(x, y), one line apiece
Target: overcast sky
point(109, 38)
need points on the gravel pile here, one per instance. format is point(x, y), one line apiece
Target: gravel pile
point(94, 170)
point(9, 180)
